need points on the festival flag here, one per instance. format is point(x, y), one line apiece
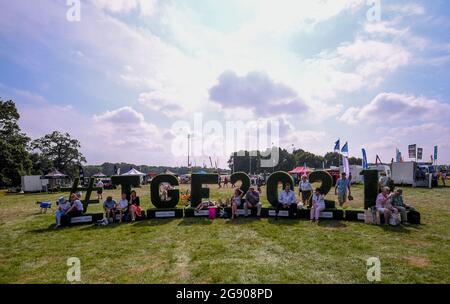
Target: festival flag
point(365, 165)
point(346, 165)
point(345, 148)
point(435, 152)
point(337, 146)
point(81, 171)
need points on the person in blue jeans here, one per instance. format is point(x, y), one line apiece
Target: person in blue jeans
point(63, 206)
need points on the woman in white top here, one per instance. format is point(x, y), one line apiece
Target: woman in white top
point(318, 205)
point(235, 203)
point(305, 189)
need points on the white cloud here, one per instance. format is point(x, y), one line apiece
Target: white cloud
point(127, 128)
point(397, 108)
point(145, 7)
point(159, 102)
point(409, 9)
point(257, 92)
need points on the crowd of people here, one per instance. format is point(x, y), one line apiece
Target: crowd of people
point(126, 209)
point(388, 203)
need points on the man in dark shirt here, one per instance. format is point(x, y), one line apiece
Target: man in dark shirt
point(252, 201)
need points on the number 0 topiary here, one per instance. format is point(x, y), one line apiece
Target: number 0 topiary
point(325, 178)
point(272, 185)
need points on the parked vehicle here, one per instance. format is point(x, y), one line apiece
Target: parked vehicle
point(34, 183)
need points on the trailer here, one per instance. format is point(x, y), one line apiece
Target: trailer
point(34, 183)
point(355, 171)
point(404, 173)
point(411, 174)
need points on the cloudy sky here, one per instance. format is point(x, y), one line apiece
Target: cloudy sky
point(129, 69)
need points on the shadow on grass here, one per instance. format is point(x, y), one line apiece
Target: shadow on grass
point(242, 220)
point(190, 221)
point(50, 228)
point(400, 228)
point(332, 224)
point(154, 222)
point(283, 221)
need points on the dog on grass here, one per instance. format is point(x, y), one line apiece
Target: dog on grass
point(44, 206)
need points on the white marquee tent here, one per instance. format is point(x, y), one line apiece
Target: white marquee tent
point(135, 172)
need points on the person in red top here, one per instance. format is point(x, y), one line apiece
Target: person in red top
point(135, 206)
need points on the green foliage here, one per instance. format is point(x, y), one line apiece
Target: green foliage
point(243, 178)
point(272, 185)
point(14, 159)
point(126, 182)
point(325, 178)
point(174, 195)
point(198, 192)
point(370, 187)
point(61, 151)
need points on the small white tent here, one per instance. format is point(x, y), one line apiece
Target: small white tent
point(136, 173)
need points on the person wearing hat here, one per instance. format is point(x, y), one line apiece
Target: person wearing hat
point(63, 206)
point(305, 190)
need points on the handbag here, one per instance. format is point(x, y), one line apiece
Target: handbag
point(393, 220)
point(368, 217)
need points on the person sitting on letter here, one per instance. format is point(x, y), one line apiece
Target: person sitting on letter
point(252, 201)
point(318, 205)
point(286, 200)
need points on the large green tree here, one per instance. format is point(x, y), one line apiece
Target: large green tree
point(14, 158)
point(61, 151)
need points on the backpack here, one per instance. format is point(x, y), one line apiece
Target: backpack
point(413, 217)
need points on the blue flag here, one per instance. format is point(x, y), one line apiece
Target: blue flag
point(435, 152)
point(337, 146)
point(365, 165)
point(345, 148)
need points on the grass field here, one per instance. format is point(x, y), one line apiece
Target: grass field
point(223, 251)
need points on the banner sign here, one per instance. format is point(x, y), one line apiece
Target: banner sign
point(435, 152)
point(412, 151)
point(419, 153)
